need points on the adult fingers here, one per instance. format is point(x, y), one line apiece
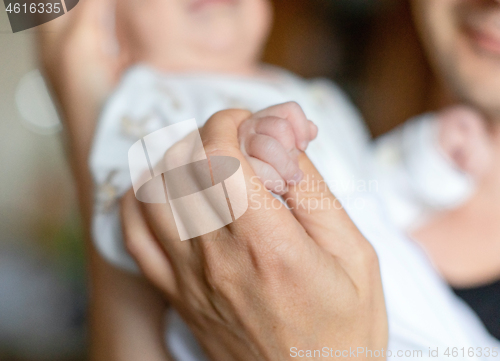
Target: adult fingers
point(220, 138)
point(313, 130)
point(143, 247)
point(166, 229)
point(270, 151)
point(247, 236)
point(268, 176)
point(321, 213)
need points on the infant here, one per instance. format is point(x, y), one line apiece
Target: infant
point(202, 56)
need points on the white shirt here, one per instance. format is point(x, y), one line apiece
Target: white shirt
point(415, 178)
point(422, 310)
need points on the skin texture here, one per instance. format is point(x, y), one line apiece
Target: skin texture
point(194, 35)
point(465, 140)
point(273, 142)
point(122, 325)
point(461, 38)
point(252, 318)
point(271, 280)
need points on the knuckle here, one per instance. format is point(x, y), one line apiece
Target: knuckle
point(244, 130)
point(291, 166)
point(220, 147)
point(215, 276)
point(282, 126)
point(132, 242)
point(270, 147)
point(293, 106)
point(265, 257)
point(232, 113)
point(218, 275)
point(367, 257)
point(263, 147)
point(273, 249)
point(252, 145)
point(253, 141)
point(212, 148)
point(216, 145)
point(294, 109)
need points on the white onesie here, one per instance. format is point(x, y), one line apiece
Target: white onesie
point(422, 310)
point(146, 101)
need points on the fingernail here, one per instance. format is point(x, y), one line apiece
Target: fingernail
point(303, 145)
point(297, 177)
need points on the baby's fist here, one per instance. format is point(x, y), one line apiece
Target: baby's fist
point(272, 139)
point(464, 138)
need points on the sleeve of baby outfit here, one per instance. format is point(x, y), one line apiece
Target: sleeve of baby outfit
point(340, 127)
point(415, 177)
point(132, 112)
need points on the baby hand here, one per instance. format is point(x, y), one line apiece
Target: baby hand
point(463, 135)
point(272, 140)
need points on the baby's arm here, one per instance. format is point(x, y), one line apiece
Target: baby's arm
point(431, 163)
point(464, 139)
point(272, 141)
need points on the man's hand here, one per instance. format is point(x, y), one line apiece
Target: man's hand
point(273, 279)
point(80, 55)
point(77, 59)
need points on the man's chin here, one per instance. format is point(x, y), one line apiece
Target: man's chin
point(485, 99)
point(476, 79)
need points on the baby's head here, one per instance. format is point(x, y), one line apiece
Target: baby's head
point(195, 35)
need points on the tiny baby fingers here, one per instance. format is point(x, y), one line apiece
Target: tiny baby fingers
point(269, 177)
point(270, 151)
point(313, 130)
point(278, 128)
point(292, 112)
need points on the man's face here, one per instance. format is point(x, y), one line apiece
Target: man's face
point(462, 38)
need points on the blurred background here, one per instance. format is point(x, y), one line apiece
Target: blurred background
point(367, 46)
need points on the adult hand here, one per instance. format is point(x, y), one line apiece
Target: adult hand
point(79, 60)
point(272, 280)
point(80, 55)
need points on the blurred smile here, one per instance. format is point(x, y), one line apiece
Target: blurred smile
point(197, 5)
point(483, 31)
